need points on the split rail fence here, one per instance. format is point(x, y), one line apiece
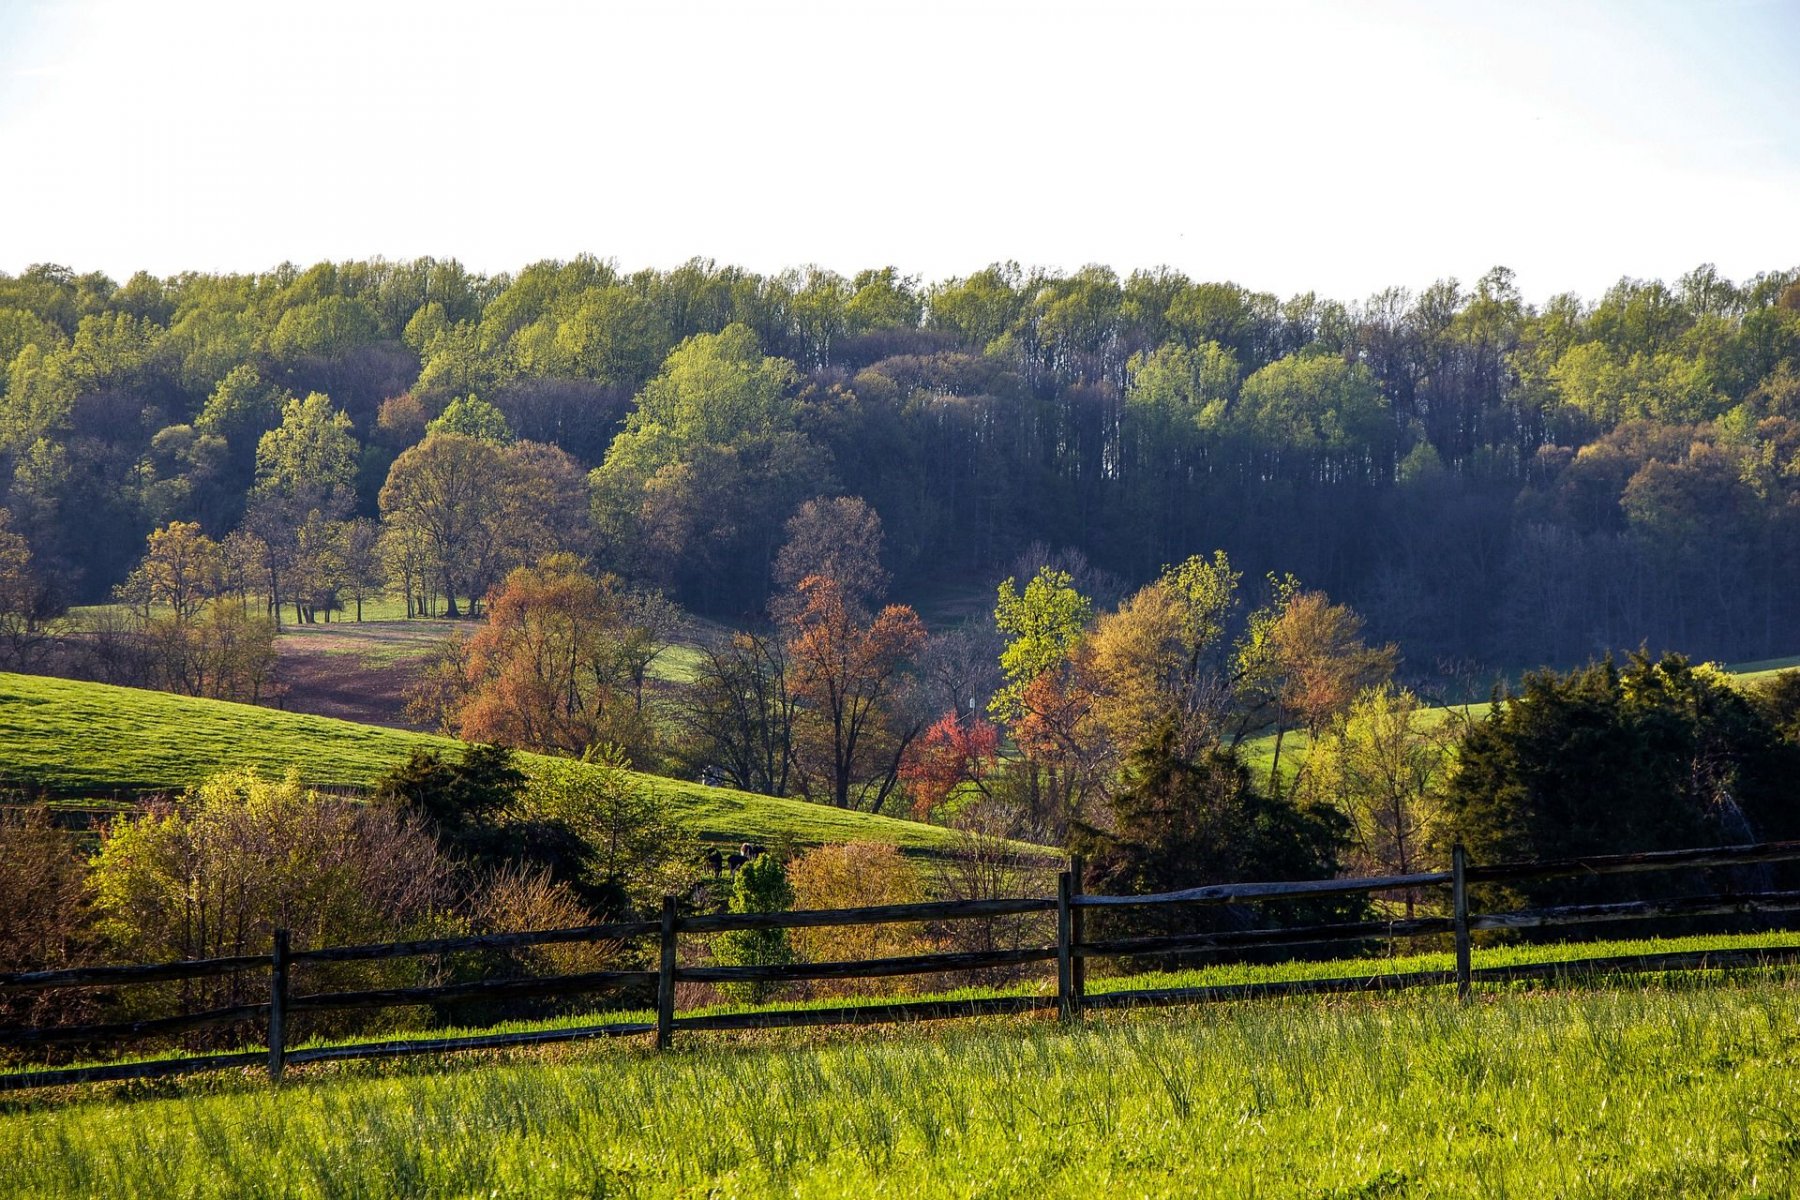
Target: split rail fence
point(1070, 953)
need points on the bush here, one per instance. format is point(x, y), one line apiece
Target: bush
point(240, 856)
point(43, 914)
point(762, 886)
point(1657, 756)
point(1180, 822)
point(856, 875)
point(633, 852)
point(984, 866)
point(521, 899)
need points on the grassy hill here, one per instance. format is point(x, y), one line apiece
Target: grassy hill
point(90, 740)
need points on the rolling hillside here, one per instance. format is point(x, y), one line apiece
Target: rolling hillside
point(74, 739)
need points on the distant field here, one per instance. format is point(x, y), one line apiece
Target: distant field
point(91, 740)
point(1620, 1091)
point(1753, 672)
point(1259, 752)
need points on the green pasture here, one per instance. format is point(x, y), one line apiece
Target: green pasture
point(1755, 672)
point(1105, 976)
point(71, 739)
point(1619, 1090)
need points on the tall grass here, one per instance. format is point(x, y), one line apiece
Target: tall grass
point(1688, 1091)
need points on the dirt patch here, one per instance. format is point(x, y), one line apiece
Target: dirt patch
point(356, 672)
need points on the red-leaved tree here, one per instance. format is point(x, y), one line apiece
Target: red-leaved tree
point(950, 753)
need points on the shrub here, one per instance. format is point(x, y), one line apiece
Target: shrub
point(984, 866)
point(240, 856)
point(43, 914)
point(762, 886)
point(1181, 822)
point(1658, 756)
point(856, 875)
point(633, 852)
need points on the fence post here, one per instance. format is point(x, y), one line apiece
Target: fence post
point(665, 978)
point(278, 997)
point(1459, 903)
point(1065, 961)
point(1077, 932)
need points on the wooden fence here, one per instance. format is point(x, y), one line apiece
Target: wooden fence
point(1070, 953)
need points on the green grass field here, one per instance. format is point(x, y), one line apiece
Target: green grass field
point(1619, 1091)
point(91, 740)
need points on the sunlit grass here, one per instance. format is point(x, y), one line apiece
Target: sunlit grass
point(1105, 977)
point(68, 738)
point(1623, 1091)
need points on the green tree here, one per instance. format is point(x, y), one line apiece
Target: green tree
point(308, 462)
point(473, 417)
point(1181, 821)
point(761, 887)
point(1661, 755)
point(637, 850)
point(182, 569)
point(1043, 625)
point(1385, 764)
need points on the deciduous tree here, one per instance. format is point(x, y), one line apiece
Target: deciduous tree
point(845, 673)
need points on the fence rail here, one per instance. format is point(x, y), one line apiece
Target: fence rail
point(1071, 953)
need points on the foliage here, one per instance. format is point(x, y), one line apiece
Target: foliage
point(761, 886)
point(950, 753)
point(855, 875)
point(181, 570)
point(845, 675)
point(634, 850)
point(1385, 767)
point(1778, 697)
point(1043, 625)
point(43, 911)
point(1659, 755)
point(518, 898)
point(1484, 478)
point(1181, 822)
point(838, 539)
point(472, 417)
point(241, 856)
point(459, 798)
point(559, 665)
point(22, 615)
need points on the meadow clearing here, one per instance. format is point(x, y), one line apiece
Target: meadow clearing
point(1657, 1090)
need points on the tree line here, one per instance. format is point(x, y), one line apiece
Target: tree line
point(1485, 478)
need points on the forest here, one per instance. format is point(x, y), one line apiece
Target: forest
point(1494, 484)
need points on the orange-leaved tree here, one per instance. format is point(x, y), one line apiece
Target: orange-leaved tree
point(846, 674)
point(557, 665)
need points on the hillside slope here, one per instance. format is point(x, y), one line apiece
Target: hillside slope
point(88, 739)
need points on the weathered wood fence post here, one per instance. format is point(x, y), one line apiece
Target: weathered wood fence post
point(1065, 958)
point(665, 978)
point(1077, 932)
point(1459, 906)
point(278, 998)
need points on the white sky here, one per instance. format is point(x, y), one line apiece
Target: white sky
point(1333, 146)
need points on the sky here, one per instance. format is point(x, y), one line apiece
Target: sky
point(1289, 146)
